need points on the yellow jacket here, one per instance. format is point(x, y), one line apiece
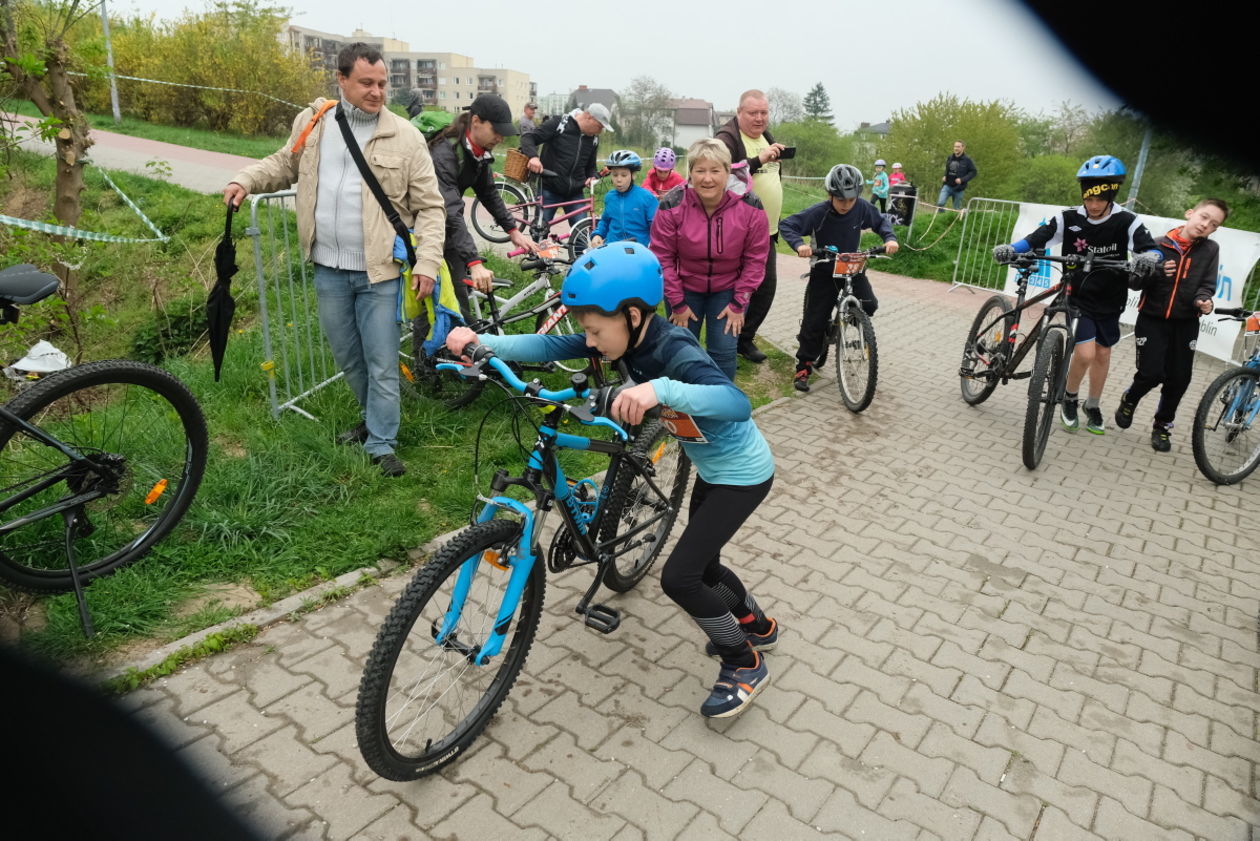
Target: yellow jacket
point(398, 156)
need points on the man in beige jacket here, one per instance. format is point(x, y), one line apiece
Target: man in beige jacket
point(345, 233)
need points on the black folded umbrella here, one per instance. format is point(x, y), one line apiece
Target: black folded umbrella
point(221, 305)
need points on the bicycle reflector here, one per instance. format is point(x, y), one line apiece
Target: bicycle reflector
point(155, 492)
point(492, 557)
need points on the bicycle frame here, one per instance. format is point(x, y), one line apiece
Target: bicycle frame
point(546, 480)
point(49, 481)
point(1017, 351)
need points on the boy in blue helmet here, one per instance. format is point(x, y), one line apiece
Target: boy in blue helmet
point(628, 208)
point(1103, 228)
point(614, 292)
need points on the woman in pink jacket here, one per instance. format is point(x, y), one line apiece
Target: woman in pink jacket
point(712, 245)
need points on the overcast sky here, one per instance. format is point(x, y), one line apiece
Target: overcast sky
point(873, 57)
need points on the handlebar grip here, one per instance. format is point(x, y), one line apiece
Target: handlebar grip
point(879, 249)
point(1235, 312)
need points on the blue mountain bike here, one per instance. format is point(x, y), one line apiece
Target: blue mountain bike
point(1225, 438)
point(456, 639)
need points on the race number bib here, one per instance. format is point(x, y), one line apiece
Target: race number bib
point(682, 426)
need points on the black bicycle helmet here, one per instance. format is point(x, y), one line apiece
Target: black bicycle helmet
point(844, 181)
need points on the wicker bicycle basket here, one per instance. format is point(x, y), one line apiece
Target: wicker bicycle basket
point(514, 167)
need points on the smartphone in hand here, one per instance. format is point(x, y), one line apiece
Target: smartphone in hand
point(788, 152)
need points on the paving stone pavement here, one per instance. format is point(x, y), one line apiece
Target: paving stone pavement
point(970, 650)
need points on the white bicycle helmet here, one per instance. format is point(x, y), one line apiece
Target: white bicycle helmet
point(880, 162)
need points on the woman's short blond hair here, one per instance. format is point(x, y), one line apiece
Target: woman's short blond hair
point(708, 149)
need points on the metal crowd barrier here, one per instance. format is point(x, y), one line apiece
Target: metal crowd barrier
point(987, 223)
point(296, 357)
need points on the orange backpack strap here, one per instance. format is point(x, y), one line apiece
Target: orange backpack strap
point(301, 138)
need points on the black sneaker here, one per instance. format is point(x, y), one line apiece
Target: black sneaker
point(1094, 420)
point(750, 352)
point(801, 381)
point(390, 465)
point(358, 435)
point(1067, 414)
point(1124, 414)
point(1161, 437)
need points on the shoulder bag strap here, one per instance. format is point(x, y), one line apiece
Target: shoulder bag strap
point(391, 212)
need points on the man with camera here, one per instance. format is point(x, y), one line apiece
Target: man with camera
point(747, 138)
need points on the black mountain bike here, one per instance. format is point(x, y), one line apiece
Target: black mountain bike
point(97, 463)
point(995, 347)
point(851, 331)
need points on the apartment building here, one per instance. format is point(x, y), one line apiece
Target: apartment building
point(447, 80)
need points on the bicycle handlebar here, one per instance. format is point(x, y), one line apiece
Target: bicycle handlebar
point(593, 412)
point(1234, 313)
point(1029, 259)
point(829, 254)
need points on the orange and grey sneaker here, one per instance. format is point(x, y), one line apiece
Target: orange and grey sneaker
point(735, 688)
point(801, 381)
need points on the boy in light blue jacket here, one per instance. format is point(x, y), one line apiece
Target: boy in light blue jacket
point(628, 208)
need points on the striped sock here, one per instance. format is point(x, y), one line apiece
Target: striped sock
point(729, 638)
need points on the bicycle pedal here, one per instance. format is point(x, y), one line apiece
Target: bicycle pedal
point(602, 618)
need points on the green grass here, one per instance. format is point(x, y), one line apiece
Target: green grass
point(213, 141)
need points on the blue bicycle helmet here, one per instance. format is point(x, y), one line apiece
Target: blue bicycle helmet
point(626, 158)
point(615, 277)
point(1102, 166)
point(1101, 177)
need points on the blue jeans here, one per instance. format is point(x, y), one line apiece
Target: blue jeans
point(948, 192)
point(360, 321)
point(720, 344)
point(549, 213)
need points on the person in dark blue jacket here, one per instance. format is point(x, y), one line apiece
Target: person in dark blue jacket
point(614, 292)
point(837, 222)
point(628, 208)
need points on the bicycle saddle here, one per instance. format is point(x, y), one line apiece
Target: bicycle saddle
point(25, 284)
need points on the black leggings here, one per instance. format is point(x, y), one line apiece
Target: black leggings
point(762, 297)
point(693, 575)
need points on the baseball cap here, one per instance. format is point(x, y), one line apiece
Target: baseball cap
point(491, 108)
point(600, 112)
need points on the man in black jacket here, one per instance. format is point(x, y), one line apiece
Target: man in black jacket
point(959, 169)
point(463, 157)
point(570, 142)
point(748, 138)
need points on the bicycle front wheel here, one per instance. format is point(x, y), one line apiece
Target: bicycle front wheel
point(518, 208)
point(857, 358)
point(633, 503)
point(1225, 442)
point(579, 239)
point(144, 443)
point(983, 353)
point(1043, 395)
point(422, 703)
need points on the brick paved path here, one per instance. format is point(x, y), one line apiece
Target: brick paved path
point(970, 650)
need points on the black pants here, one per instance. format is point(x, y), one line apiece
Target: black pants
point(881, 202)
point(762, 297)
point(1165, 355)
point(820, 301)
point(694, 569)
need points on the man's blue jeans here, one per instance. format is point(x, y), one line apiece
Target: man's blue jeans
point(720, 344)
point(549, 197)
point(948, 192)
point(360, 321)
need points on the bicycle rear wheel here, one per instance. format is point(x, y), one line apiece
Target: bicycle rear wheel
point(1225, 441)
point(983, 353)
point(579, 239)
point(145, 438)
point(518, 208)
point(857, 358)
point(633, 502)
point(1043, 395)
point(421, 703)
